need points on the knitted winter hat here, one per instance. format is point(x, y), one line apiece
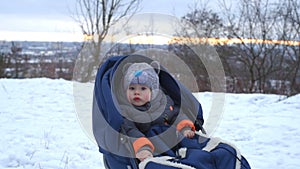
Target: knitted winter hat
point(143, 74)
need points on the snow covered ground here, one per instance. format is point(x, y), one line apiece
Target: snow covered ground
point(39, 127)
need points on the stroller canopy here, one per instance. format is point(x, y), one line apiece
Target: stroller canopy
point(108, 90)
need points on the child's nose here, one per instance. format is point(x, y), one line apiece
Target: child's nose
point(136, 92)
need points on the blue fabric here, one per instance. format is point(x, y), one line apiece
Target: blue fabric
point(222, 157)
point(152, 165)
point(105, 116)
point(118, 162)
point(106, 119)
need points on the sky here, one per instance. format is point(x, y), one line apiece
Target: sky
point(51, 20)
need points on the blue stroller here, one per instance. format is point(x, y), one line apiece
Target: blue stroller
point(202, 152)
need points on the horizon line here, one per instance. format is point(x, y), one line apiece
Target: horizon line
point(11, 36)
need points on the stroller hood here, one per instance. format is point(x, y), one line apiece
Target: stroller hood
point(106, 116)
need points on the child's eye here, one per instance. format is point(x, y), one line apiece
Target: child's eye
point(144, 88)
point(131, 88)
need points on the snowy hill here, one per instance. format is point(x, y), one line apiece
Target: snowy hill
point(40, 128)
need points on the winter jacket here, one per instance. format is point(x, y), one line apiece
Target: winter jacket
point(160, 112)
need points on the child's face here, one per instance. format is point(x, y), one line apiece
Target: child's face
point(138, 95)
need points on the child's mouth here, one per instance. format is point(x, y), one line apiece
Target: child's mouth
point(136, 99)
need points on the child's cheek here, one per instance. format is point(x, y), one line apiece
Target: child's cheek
point(128, 95)
point(149, 97)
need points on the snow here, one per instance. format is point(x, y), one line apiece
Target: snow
point(39, 126)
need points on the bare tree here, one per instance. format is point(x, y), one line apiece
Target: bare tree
point(201, 22)
point(290, 16)
point(254, 26)
point(95, 18)
point(198, 27)
point(16, 59)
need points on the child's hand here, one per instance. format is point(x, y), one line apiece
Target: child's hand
point(142, 155)
point(189, 133)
